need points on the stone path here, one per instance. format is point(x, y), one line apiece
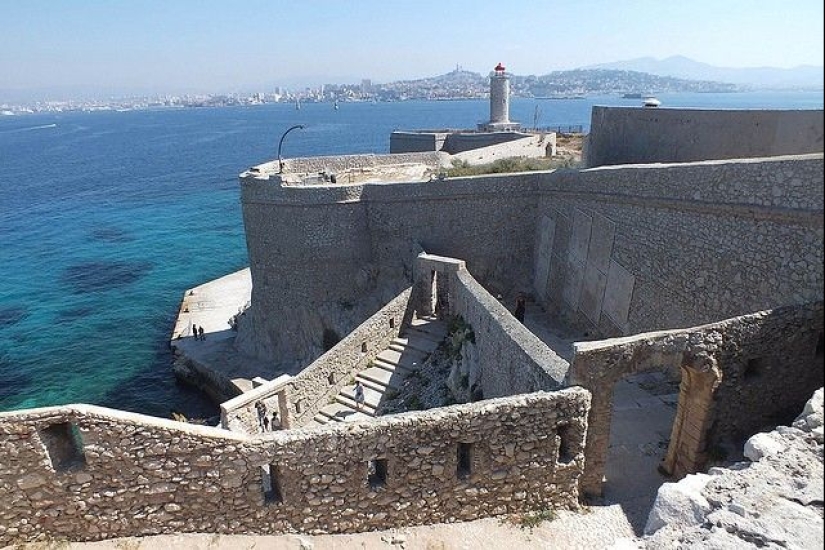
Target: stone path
point(404, 356)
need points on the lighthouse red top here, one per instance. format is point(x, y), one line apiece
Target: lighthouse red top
point(499, 68)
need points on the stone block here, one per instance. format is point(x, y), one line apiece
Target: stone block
point(592, 293)
point(573, 284)
point(618, 293)
point(602, 235)
point(580, 237)
point(547, 230)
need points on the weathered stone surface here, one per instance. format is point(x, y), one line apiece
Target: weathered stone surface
point(323, 476)
point(679, 505)
point(763, 444)
point(776, 502)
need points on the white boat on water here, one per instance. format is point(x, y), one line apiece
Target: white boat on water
point(651, 102)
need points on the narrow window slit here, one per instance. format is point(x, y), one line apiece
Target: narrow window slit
point(64, 445)
point(464, 465)
point(271, 479)
point(377, 473)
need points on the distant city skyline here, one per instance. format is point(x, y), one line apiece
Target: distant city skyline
point(188, 46)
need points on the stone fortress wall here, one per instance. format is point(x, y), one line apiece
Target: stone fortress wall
point(629, 249)
point(86, 473)
point(645, 135)
point(617, 250)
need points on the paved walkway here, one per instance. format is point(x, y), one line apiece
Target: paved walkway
point(211, 306)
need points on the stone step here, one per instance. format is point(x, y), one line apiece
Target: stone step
point(316, 423)
point(338, 412)
point(366, 410)
point(371, 397)
point(410, 350)
point(381, 364)
point(371, 384)
point(405, 359)
point(420, 343)
point(386, 378)
point(435, 329)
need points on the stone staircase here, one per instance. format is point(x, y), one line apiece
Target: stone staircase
point(404, 355)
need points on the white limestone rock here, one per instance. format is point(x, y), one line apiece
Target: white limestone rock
point(811, 418)
point(679, 504)
point(762, 445)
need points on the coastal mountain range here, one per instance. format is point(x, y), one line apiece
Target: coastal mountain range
point(800, 77)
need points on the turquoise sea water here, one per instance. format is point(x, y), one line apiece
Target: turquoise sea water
point(107, 217)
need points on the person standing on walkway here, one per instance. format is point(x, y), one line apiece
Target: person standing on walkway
point(520, 307)
point(261, 410)
point(200, 333)
point(195, 331)
point(359, 395)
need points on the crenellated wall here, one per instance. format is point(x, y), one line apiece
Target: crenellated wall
point(122, 474)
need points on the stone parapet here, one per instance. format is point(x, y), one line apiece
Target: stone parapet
point(88, 473)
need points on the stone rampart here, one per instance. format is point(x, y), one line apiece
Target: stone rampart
point(616, 250)
point(507, 359)
point(632, 249)
point(621, 135)
point(298, 399)
point(86, 473)
point(328, 257)
point(738, 376)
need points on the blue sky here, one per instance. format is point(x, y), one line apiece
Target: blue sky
point(207, 45)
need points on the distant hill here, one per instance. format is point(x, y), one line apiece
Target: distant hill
point(801, 77)
point(577, 82)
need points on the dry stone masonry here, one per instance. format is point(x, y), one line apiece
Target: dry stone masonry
point(87, 473)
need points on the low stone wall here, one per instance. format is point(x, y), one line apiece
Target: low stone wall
point(299, 398)
point(308, 392)
point(86, 473)
point(341, 163)
point(738, 376)
point(508, 358)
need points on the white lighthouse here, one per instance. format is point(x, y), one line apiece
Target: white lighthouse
point(499, 103)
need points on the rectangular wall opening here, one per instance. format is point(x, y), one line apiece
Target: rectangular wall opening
point(392, 322)
point(64, 444)
point(464, 465)
point(271, 480)
point(377, 473)
point(331, 379)
point(565, 433)
point(754, 368)
point(364, 347)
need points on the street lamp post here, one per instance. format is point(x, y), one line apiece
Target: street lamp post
point(280, 143)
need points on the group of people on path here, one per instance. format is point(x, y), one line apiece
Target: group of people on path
point(197, 332)
point(263, 418)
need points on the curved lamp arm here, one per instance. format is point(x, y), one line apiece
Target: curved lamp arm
point(280, 143)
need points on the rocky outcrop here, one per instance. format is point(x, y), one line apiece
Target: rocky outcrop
point(775, 501)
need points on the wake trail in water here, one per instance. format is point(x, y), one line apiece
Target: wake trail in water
point(41, 127)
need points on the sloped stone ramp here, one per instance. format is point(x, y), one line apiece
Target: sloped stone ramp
point(404, 356)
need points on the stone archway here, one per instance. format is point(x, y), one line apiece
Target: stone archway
point(599, 366)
